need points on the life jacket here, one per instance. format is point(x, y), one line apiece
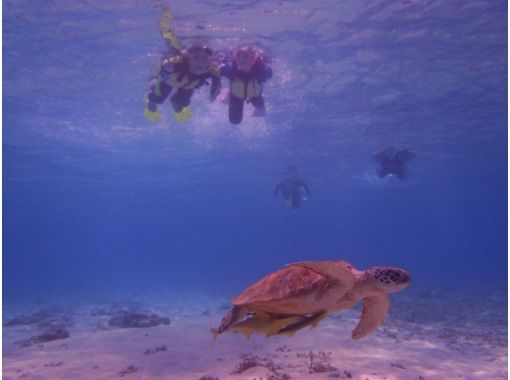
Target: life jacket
point(175, 72)
point(246, 85)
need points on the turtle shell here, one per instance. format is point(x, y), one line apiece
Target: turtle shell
point(288, 282)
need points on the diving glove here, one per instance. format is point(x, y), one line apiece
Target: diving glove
point(184, 115)
point(151, 111)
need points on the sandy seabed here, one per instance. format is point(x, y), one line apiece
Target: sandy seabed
point(428, 336)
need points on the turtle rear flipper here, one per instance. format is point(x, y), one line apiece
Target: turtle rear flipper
point(374, 311)
point(233, 316)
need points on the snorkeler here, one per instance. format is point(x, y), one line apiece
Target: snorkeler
point(392, 162)
point(292, 189)
point(247, 72)
point(183, 70)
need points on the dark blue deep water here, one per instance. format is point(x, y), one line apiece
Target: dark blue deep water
point(97, 200)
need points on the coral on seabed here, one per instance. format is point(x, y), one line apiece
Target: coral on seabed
point(157, 349)
point(249, 361)
point(48, 335)
point(129, 370)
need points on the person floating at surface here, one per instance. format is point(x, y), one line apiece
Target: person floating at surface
point(246, 73)
point(292, 189)
point(392, 162)
point(184, 70)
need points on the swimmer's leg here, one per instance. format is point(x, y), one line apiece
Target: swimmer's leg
point(260, 107)
point(235, 109)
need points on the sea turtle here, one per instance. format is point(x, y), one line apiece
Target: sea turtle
point(302, 294)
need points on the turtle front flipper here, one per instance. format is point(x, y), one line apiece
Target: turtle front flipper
point(374, 311)
point(335, 273)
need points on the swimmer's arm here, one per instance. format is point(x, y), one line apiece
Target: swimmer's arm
point(227, 70)
point(215, 87)
point(305, 186)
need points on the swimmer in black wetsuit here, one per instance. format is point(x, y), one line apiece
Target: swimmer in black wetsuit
point(292, 189)
point(392, 162)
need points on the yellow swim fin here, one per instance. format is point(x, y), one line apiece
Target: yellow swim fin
point(151, 115)
point(184, 115)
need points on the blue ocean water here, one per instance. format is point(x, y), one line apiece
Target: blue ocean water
point(97, 200)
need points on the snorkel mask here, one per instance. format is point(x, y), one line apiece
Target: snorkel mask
point(245, 57)
point(199, 59)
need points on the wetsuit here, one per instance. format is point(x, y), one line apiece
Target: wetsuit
point(245, 86)
point(293, 191)
point(392, 162)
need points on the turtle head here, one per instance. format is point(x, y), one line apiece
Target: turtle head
point(388, 279)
